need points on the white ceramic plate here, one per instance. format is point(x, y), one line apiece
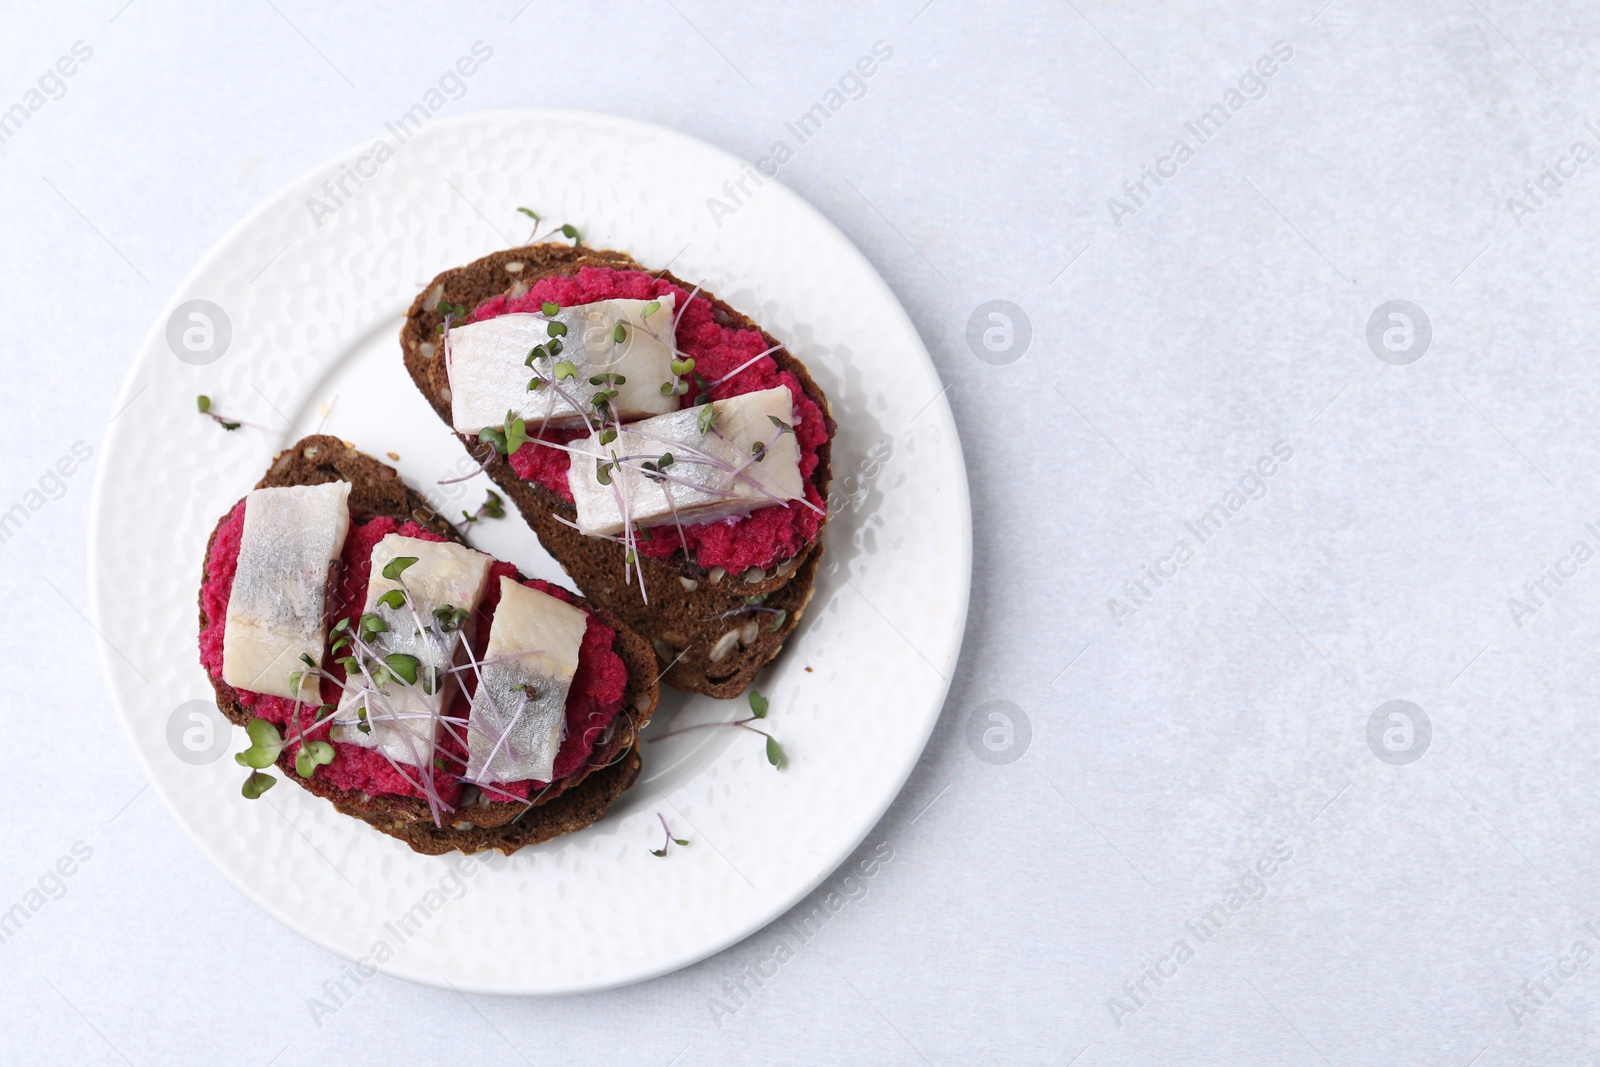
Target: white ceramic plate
point(304, 304)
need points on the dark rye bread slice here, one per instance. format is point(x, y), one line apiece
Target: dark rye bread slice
point(479, 824)
point(686, 618)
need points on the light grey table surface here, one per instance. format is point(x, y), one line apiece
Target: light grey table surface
point(1208, 842)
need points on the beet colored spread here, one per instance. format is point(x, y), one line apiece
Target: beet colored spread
point(760, 539)
point(592, 702)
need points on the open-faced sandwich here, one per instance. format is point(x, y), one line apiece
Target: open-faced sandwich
point(417, 684)
point(670, 454)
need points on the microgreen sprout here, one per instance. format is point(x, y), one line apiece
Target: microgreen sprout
point(257, 784)
point(494, 507)
point(650, 309)
point(670, 841)
point(653, 468)
point(265, 744)
point(449, 618)
point(508, 438)
point(566, 369)
point(706, 419)
point(394, 598)
point(396, 567)
point(403, 666)
point(312, 754)
point(680, 368)
point(570, 232)
point(758, 710)
point(556, 329)
point(203, 403)
point(550, 309)
point(619, 334)
point(451, 312)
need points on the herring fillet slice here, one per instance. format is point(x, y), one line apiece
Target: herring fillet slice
point(703, 459)
point(404, 719)
point(278, 603)
point(514, 731)
point(489, 373)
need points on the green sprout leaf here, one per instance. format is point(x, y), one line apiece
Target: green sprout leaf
point(758, 704)
point(265, 744)
point(257, 758)
point(495, 438)
point(565, 369)
point(602, 472)
point(403, 666)
point(374, 624)
point(263, 733)
point(680, 367)
point(397, 566)
point(394, 598)
point(203, 402)
point(775, 754)
point(556, 329)
point(706, 419)
point(550, 309)
point(665, 461)
point(528, 211)
point(449, 618)
point(570, 232)
point(312, 754)
point(494, 507)
point(668, 388)
point(607, 435)
point(516, 433)
point(257, 784)
point(777, 621)
point(620, 333)
point(650, 309)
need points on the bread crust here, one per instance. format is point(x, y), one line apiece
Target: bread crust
point(688, 618)
point(563, 807)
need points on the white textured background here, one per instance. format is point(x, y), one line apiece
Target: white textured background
point(1423, 905)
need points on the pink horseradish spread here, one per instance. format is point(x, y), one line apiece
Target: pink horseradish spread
point(593, 701)
point(760, 539)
